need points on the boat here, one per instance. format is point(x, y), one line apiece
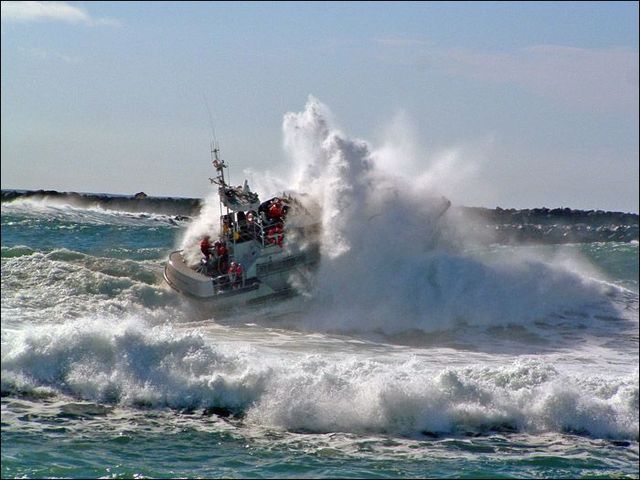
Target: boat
point(262, 253)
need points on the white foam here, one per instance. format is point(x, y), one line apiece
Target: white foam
point(95, 328)
point(63, 284)
point(390, 264)
point(130, 362)
point(52, 208)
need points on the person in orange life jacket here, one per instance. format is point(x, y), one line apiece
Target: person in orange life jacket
point(275, 211)
point(236, 275)
point(223, 256)
point(205, 247)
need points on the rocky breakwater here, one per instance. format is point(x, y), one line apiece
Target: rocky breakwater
point(499, 225)
point(140, 202)
point(558, 225)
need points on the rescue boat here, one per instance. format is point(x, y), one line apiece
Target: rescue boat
point(262, 249)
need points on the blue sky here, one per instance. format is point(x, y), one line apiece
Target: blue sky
point(537, 101)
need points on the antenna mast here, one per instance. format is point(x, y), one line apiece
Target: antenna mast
point(218, 164)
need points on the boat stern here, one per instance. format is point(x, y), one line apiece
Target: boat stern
point(186, 280)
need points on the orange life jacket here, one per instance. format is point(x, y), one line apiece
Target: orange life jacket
point(275, 211)
point(205, 246)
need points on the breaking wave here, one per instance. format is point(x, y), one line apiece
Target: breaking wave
point(129, 362)
point(34, 208)
point(64, 284)
point(94, 321)
point(393, 262)
point(140, 203)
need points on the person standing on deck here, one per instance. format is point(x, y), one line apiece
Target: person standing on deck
point(205, 247)
point(223, 256)
point(236, 275)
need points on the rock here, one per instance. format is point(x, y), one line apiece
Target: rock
point(222, 412)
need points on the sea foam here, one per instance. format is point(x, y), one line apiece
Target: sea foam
point(392, 261)
point(131, 362)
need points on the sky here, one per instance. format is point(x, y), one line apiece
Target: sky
point(521, 104)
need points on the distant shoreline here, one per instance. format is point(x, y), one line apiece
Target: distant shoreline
point(140, 202)
point(531, 225)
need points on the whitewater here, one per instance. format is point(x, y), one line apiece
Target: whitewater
point(417, 349)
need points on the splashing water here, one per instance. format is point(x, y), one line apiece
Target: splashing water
point(417, 353)
point(390, 263)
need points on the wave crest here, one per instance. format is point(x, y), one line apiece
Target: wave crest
point(131, 364)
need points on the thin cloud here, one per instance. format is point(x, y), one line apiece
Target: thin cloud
point(42, 54)
point(592, 78)
point(25, 12)
point(401, 41)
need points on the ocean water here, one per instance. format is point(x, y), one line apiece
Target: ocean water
point(441, 357)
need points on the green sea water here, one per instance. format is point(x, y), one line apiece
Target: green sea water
point(108, 373)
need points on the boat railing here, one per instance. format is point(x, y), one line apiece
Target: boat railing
point(271, 233)
point(226, 283)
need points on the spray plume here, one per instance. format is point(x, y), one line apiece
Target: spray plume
point(391, 261)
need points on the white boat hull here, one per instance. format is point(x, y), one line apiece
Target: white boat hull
point(270, 283)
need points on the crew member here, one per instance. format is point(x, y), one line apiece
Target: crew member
point(226, 226)
point(236, 275)
point(205, 247)
point(223, 256)
point(275, 211)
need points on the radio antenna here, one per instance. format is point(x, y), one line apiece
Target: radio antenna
point(213, 128)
